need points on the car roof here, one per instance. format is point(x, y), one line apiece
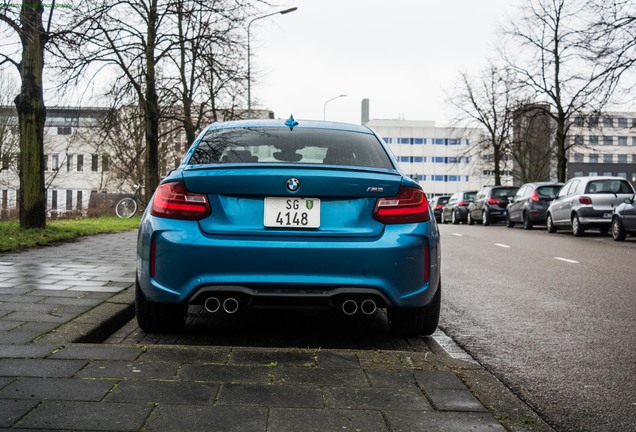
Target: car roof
point(290, 123)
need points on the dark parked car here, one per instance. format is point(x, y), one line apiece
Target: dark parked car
point(587, 202)
point(288, 214)
point(437, 204)
point(624, 219)
point(455, 210)
point(530, 204)
point(490, 203)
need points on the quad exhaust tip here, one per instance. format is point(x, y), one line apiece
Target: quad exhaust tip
point(230, 305)
point(367, 307)
point(212, 305)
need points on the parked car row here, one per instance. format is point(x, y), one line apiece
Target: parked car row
point(595, 202)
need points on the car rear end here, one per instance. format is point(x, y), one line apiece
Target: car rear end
point(312, 215)
point(596, 205)
point(540, 200)
point(497, 202)
point(438, 204)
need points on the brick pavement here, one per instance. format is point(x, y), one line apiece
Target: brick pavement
point(53, 297)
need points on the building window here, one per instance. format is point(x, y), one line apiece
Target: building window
point(579, 121)
point(105, 163)
point(388, 140)
point(634, 158)
point(55, 162)
point(593, 173)
point(79, 200)
point(69, 162)
point(622, 140)
point(622, 122)
point(453, 178)
point(608, 173)
point(404, 159)
point(417, 159)
point(608, 140)
point(438, 159)
point(622, 158)
point(608, 122)
point(80, 163)
point(404, 140)
point(593, 122)
point(69, 200)
point(578, 174)
point(419, 141)
point(578, 157)
point(634, 140)
point(437, 178)
point(46, 162)
point(622, 174)
point(578, 139)
point(439, 141)
point(94, 163)
point(607, 158)
point(64, 130)
point(593, 139)
point(54, 200)
point(593, 158)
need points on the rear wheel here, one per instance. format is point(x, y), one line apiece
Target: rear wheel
point(618, 231)
point(443, 218)
point(577, 228)
point(159, 317)
point(420, 321)
point(509, 223)
point(470, 219)
point(527, 224)
point(454, 217)
point(485, 218)
point(550, 224)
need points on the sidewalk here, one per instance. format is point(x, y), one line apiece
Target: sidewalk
point(58, 303)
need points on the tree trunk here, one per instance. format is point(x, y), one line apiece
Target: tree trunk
point(151, 108)
point(562, 159)
point(31, 116)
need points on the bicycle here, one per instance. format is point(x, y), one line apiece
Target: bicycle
point(127, 207)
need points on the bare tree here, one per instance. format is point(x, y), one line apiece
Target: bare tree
point(531, 146)
point(488, 102)
point(27, 22)
point(552, 61)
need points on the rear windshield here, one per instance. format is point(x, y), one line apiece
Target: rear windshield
point(609, 186)
point(548, 191)
point(470, 195)
point(504, 192)
point(299, 146)
point(443, 200)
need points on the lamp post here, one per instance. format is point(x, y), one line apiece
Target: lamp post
point(249, 55)
point(324, 107)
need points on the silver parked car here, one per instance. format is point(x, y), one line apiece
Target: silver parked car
point(587, 202)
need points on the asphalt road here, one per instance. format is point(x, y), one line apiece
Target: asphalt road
point(551, 315)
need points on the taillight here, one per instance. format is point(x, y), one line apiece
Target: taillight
point(439, 206)
point(172, 200)
point(408, 206)
point(463, 203)
point(585, 200)
point(535, 197)
point(493, 201)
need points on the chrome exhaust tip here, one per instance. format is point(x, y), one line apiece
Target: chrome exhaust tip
point(368, 307)
point(349, 307)
point(212, 305)
point(230, 305)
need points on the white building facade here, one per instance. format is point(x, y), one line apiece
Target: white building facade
point(442, 159)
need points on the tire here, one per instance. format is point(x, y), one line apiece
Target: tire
point(470, 219)
point(577, 228)
point(126, 208)
point(527, 223)
point(485, 219)
point(509, 223)
point(454, 218)
point(618, 231)
point(159, 317)
point(420, 321)
point(443, 218)
point(550, 224)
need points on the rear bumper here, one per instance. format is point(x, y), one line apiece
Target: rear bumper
point(314, 272)
point(592, 217)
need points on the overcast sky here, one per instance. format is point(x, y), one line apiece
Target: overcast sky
point(403, 55)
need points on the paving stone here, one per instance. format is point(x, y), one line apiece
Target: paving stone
point(317, 376)
point(70, 301)
point(5, 381)
point(71, 389)
point(438, 380)
point(129, 370)
point(52, 415)
point(390, 378)
point(19, 298)
point(13, 410)
point(187, 355)
point(26, 351)
point(6, 326)
point(267, 357)
point(164, 392)
point(50, 317)
point(337, 359)
point(226, 374)
point(454, 400)
point(98, 352)
point(193, 418)
point(26, 307)
point(409, 421)
point(316, 420)
point(270, 396)
point(391, 398)
point(40, 368)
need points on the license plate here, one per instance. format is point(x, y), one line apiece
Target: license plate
point(292, 212)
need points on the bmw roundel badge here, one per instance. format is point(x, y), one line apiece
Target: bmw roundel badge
point(293, 184)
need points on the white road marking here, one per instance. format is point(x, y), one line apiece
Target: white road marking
point(450, 347)
point(502, 245)
point(566, 260)
point(458, 235)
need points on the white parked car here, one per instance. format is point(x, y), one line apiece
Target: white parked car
point(587, 202)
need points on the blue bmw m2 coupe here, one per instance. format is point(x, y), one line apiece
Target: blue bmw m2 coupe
point(289, 214)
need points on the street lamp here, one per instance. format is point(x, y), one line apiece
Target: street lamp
point(249, 55)
point(324, 107)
